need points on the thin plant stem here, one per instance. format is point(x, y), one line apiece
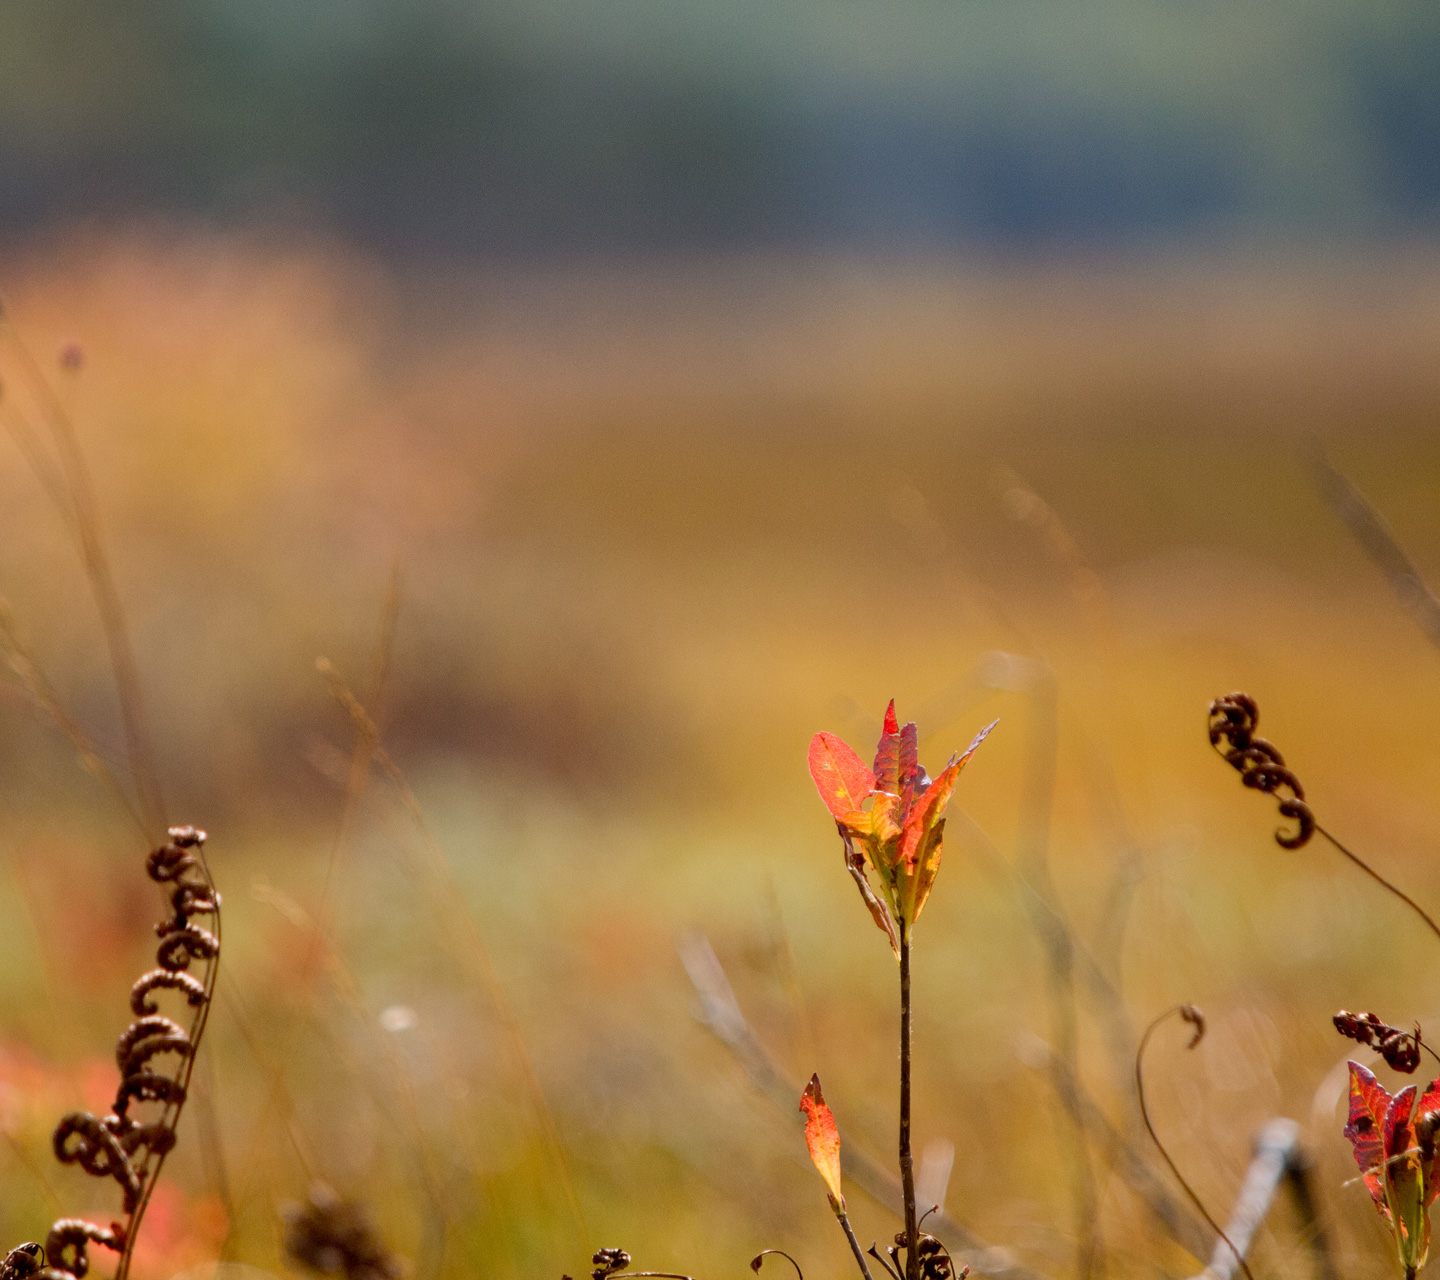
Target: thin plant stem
point(854, 1243)
point(632, 1275)
point(759, 1258)
point(907, 1160)
point(1380, 880)
point(1190, 1014)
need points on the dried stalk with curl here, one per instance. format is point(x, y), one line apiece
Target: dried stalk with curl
point(121, 1145)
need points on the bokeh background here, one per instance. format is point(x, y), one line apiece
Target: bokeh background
point(616, 394)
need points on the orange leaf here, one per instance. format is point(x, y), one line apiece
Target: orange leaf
point(931, 805)
point(823, 1140)
point(841, 777)
point(929, 866)
point(923, 815)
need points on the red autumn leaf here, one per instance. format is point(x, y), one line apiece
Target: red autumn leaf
point(823, 1139)
point(922, 816)
point(909, 760)
point(1396, 1133)
point(897, 757)
point(1369, 1102)
point(899, 836)
point(887, 754)
point(840, 775)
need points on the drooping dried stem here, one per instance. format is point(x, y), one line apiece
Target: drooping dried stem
point(1193, 1016)
point(1382, 881)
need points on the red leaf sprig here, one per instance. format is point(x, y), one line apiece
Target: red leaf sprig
point(1394, 1143)
point(822, 1140)
point(891, 817)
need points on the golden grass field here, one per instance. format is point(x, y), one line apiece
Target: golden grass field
point(652, 526)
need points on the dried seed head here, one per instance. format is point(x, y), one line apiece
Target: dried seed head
point(1261, 766)
point(1192, 1015)
point(1425, 1129)
point(608, 1262)
point(1400, 1049)
point(22, 1262)
point(934, 1257)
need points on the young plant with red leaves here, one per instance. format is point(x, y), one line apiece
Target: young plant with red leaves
point(891, 819)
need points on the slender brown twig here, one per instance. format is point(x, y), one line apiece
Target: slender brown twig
point(854, 1244)
point(1196, 1019)
point(907, 1160)
point(1382, 881)
point(759, 1260)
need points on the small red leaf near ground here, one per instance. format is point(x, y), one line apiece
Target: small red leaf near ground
point(823, 1139)
point(841, 777)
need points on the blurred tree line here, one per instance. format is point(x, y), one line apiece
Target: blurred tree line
point(572, 125)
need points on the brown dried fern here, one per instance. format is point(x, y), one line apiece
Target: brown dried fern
point(121, 1145)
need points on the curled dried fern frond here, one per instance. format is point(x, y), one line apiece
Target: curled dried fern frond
point(156, 1055)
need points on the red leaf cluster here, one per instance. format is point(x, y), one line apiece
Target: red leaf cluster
point(890, 815)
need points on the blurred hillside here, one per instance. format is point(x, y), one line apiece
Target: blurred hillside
point(572, 126)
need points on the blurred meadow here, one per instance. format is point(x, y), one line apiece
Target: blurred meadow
point(600, 532)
